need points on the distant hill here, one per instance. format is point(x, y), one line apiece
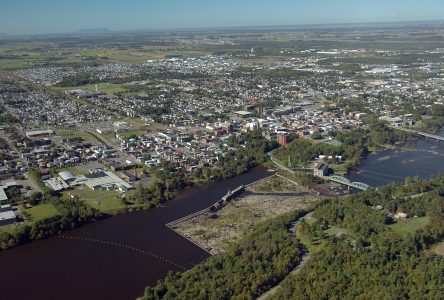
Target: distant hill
point(95, 30)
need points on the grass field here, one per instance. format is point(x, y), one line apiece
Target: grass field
point(137, 132)
point(104, 201)
point(40, 212)
point(410, 225)
point(34, 54)
point(76, 133)
point(73, 170)
point(8, 228)
point(107, 88)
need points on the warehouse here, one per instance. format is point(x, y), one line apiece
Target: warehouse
point(7, 216)
point(98, 179)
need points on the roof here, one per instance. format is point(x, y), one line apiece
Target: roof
point(56, 184)
point(6, 213)
point(3, 196)
point(39, 132)
point(109, 179)
point(242, 113)
point(67, 176)
point(321, 166)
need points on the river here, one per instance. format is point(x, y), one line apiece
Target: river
point(113, 258)
point(420, 157)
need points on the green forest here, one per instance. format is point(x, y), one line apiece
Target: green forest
point(372, 261)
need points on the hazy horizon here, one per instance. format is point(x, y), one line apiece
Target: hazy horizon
point(49, 16)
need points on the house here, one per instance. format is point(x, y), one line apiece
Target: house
point(321, 169)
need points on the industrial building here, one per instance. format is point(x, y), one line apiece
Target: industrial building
point(7, 216)
point(39, 133)
point(56, 184)
point(99, 179)
point(96, 179)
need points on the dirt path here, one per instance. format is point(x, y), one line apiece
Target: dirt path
point(304, 261)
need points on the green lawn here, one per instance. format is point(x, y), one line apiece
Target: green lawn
point(8, 228)
point(72, 170)
point(410, 225)
point(40, 212)
point(137, 132)
point(330, 231)
point(104, 201)
point(76, 133)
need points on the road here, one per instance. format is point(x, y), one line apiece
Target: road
point(304, 261)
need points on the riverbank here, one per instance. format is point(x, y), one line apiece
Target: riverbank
point(214, 231)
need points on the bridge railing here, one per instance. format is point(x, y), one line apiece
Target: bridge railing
point(345, 181)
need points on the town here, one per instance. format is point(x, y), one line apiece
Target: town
point(78, 129)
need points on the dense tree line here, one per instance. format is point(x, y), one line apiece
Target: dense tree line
point(304, 151)
point(395, 269)
point(380, 135)
point(246, 270)
point(378, 263)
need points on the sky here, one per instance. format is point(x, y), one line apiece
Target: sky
point(60, 16)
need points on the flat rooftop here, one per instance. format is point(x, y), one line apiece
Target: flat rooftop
point(6, 213)
point(3, 196)
point(105, 179)
point(39, 132)
point(56, 184)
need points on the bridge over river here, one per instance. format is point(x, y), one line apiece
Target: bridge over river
point(424, 134)
point(339, 179)
point(342, 180)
